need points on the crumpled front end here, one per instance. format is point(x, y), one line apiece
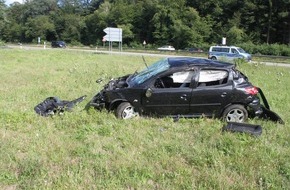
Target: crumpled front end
point(100, 100)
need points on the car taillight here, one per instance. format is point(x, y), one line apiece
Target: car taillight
point(252, 90)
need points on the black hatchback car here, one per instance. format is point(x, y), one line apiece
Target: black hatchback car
point(58, 44)
point(185, 87)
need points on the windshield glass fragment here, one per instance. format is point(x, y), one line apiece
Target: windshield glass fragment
point(152, 70)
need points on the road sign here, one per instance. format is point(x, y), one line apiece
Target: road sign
point(113, 34)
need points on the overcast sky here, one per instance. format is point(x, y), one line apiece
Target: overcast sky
point(8, 2)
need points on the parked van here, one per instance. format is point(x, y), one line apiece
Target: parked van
point(228, 53)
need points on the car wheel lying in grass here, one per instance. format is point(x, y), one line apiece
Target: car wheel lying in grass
point(185, 87)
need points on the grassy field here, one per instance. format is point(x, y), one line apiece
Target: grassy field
point(94, 150)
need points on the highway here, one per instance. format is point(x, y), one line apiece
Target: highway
point(41, 47)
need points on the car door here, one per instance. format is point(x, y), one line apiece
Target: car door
point(212, 93)
point(171, 99)
point(233, 54)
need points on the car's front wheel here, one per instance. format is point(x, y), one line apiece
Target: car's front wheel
point(235, 113)
point(125, 111)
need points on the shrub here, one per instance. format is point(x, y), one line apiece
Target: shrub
point(2, 43)
point(266, 49)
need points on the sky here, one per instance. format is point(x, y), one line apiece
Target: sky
point(8, 2)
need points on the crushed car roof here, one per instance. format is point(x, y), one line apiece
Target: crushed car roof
point(191, 61)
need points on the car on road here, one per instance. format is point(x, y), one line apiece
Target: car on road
point(166, 48)
point(228, 53)
point(58, 44)
point(185, 87)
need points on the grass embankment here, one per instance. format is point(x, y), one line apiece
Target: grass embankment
point(94, 150)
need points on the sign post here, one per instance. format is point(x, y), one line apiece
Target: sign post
point(104, 41)
point(113, 35)
point(224, 41)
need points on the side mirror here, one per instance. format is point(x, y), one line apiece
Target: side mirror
point(148, 92)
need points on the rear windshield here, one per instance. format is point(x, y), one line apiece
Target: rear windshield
point(239, 76)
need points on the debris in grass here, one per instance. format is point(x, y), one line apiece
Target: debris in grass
point(53, 105)
point(255, 130)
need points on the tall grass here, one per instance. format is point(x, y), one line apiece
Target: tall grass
point(94, 150)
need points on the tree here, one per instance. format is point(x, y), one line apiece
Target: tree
point(72, 25)
point(95, 23)
point(3, 19)
point(40, 26)
point(182, 23)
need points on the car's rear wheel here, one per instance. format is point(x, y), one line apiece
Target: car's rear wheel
point(125, 111)
point(235, 113)
point(213, 58)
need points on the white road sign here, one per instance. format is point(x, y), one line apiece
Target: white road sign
point(113, 34)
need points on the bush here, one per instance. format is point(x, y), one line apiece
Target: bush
point(2, 43)
point(266, 49)
point(285, 50)
point(76, 43)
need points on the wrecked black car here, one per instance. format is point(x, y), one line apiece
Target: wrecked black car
point(185, 87)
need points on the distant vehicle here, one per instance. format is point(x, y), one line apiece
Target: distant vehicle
point(58, 44)
point(194, 49)
point(228, 53)
point(166, 48)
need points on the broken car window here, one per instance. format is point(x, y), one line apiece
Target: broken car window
point(175, 80)
point(212, 77)
point(149, 72)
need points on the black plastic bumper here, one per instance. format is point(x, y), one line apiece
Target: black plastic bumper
point(267, 113)
point(255, 130)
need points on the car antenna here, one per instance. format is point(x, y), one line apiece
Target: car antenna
point(144, 61)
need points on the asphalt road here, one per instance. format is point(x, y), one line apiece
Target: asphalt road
point(39, 47)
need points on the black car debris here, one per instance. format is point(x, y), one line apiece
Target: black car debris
point(185, 87)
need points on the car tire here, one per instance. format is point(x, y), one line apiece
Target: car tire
point(235, 113)
point(213, 58)
point(125, 111)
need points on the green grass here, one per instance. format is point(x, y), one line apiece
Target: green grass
point(94, 150)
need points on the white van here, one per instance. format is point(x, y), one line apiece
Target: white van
point(228, 53)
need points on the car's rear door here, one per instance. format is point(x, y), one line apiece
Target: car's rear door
point(212, 93)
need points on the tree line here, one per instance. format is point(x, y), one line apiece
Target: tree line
point(182, 23)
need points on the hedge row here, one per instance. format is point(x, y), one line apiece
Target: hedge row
point(266, 49)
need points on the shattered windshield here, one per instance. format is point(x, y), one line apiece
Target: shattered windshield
point(149, 72)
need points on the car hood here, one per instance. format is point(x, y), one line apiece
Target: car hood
point(247, 56)
point(117, 83)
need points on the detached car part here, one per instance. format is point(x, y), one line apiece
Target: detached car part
point(53, 105)
point(255, 130)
